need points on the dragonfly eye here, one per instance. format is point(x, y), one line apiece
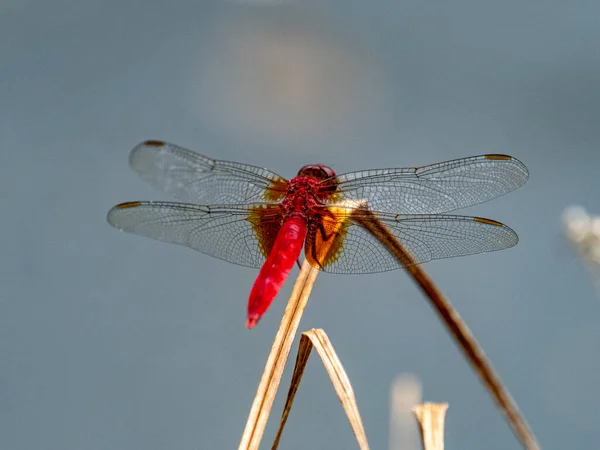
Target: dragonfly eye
point(318, 171)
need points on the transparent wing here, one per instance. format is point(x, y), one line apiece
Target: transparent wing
point(241, 234)
point(191, 177)
point(434, 189)
point(426, 237)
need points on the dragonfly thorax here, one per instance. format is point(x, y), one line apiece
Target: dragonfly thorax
point(304, 191)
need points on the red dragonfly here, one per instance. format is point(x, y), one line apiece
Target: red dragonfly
point(253, 217)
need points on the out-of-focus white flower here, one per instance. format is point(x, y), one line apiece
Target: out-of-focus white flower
point(583, 231)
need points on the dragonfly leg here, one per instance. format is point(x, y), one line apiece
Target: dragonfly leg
point(315, 257)
point(325, 237)
point(324, 234)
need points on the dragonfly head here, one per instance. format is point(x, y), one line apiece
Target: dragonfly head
point(318, 171)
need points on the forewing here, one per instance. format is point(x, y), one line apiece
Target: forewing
point(241, 234)
point(191, 177)
point(434, 189)
point(426, 237)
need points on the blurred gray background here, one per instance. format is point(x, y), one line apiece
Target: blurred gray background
point(112, 341)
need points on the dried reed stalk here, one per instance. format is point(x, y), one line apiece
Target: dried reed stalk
point(269, 383)
point(431, 423)
point(457, 327)
point(318, 338)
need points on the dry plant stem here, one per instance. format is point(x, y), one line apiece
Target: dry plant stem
point(431, 423)
point(457, 327)
point(269, 383)
point(318, 338)
point(304, 350)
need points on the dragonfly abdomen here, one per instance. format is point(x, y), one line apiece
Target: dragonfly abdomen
point(277, 267)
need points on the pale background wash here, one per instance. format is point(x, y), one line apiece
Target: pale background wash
point(112, 341)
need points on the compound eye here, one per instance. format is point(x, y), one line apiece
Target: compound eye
point(328, 171)
point(318, 171)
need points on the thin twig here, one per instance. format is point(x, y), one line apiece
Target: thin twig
point(431, 423)
point(269, 383)
point(343, 388)
point(457, 327)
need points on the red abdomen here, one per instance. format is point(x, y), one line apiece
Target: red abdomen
point(277, 267)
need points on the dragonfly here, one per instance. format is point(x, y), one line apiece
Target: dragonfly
point(253, 217)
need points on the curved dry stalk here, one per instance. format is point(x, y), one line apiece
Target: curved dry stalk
point(431, 423)
point(457, 327)
point(318, 338)
point(269, 383)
